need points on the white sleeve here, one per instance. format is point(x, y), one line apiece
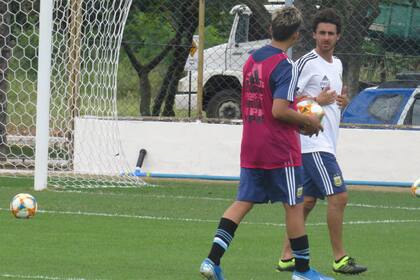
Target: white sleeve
point(304, 77)
point(341, 67)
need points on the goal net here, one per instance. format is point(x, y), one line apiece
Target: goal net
point(84, 148)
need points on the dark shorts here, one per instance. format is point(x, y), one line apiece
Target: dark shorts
point(271, 185)
point(321, 175)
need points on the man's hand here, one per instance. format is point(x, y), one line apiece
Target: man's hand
point(312, 127)
point(326, 97)
point(343, 100)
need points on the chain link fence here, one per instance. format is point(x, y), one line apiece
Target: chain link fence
point(158, 60)
point(380, 41)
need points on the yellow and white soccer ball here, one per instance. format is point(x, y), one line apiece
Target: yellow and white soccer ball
point(23, 206)
point(415, 188)
point(308, 106)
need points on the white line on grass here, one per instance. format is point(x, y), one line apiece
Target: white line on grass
point(157, 218)
point(362, 205)
point(39, 277)
point(160, 196)
point(383, 206)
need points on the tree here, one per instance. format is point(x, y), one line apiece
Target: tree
point(173, 24)
point(185, 18)
point(144, 58)
point(186, 23)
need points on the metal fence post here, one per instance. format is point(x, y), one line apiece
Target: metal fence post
point(200, 59)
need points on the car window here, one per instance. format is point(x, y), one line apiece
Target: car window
point(416, 112)
point(385, 107)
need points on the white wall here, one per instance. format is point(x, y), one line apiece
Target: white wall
point(379, 154)
point(213, 150)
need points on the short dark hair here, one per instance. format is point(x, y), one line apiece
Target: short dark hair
point(328, 15)
point(285, 22)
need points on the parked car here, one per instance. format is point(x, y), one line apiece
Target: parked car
point(392, 103)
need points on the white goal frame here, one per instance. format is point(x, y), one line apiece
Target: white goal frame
point(104, 53)
point(43, 94)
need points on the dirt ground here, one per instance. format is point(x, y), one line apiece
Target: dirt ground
point(379, 189)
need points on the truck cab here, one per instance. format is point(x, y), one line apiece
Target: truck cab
point(222, 75)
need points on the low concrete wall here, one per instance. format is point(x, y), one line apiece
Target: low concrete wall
point(194, 148)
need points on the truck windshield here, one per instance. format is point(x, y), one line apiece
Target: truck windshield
point(242, 30)
point(249, 30)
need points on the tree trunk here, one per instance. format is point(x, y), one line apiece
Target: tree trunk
point(143, 74)
point(146, 95)
point(187, 22)
point(180, 58)
point(4, 67)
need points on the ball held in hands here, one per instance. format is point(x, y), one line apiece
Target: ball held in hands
point(310, 107)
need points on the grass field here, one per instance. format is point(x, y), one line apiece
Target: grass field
point(163, 232)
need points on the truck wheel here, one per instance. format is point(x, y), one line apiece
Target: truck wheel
point(225, 104)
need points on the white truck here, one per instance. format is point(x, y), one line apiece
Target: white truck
point(222, 75)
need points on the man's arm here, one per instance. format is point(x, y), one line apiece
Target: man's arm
point(282, 112)
point(284, 78)
point(342, 99)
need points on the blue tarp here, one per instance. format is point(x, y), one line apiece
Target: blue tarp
point(377, 106)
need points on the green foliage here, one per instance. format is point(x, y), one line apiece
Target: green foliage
point(371, 46)
point(219, 18)
point(128, 82)
point(128, 91)
point(399, 63)
point(213, 37)
point(148, 33)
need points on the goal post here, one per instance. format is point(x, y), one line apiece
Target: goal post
point(43, 95)
point(62, 74)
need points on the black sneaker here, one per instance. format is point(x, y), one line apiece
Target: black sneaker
point(348, 265)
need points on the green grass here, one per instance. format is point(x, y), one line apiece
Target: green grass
point(164, 232)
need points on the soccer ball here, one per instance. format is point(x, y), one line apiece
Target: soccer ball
point(23, 206)
point(308, 106)
point(415, 188)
